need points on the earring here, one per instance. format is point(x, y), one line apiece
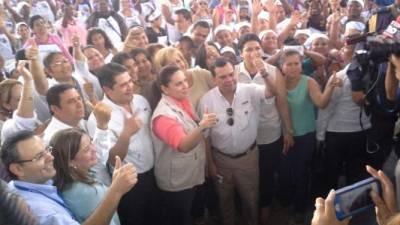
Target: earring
point(74, 167)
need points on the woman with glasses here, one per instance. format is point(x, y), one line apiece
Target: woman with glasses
point(74, 156)
point(179, 145)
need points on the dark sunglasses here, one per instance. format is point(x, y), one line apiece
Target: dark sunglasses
point(229, 112)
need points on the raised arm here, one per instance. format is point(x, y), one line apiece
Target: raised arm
point(25, 105)
point(124, 178)
point(319, 99)
point(37, 70)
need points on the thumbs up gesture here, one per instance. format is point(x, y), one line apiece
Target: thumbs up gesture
point(32, 52)
point(208, 120)
point(124, 177)
point(335, 81)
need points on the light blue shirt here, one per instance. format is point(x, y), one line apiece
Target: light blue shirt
point(44, 202)
point(83, 199)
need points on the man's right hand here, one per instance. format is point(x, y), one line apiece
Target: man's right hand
point(132, 124)
point(124, 177)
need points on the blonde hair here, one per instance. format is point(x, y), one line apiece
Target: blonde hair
point(163, 56)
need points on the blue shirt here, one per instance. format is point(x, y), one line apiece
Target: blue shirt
point(44, 202)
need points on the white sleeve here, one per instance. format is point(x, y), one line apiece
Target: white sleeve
point(82, 70)
point(100, 139)
point(18, 123)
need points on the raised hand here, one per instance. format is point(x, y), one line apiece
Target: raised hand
point(21, 69)
point(334, 81)
point(208, 120)
point(124, 177)
point(132, 124)
point(102, 113)
point(32, 52)
point(295, 18)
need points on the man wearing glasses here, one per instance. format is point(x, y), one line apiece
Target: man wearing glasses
point(233, 156)
point(30, 163)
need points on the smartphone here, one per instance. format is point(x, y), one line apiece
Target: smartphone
point(354, 199)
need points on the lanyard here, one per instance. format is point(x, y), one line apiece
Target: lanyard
point(61, 203)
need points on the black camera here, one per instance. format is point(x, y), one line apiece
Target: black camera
point(377, 50)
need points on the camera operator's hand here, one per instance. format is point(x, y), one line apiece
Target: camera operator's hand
point(385, 208)
point(324, 213)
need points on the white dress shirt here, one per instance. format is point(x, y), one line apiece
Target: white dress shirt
point(140, 150)
point(17, 123)
point(246, 104)
point(269, 128)
point(341, 114)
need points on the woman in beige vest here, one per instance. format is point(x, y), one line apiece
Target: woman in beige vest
point(179, 145)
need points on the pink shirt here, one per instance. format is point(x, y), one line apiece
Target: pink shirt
point(74, 27)
point(168, 129)
point(52, 39)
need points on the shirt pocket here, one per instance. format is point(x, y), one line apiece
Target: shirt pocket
point(243, 115)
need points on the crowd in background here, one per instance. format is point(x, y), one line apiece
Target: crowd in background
point(188, 112)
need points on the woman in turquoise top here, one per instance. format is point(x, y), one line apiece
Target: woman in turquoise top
point(303, 94)
point(74, 156)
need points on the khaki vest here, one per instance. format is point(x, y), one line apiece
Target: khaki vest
point(174, 170)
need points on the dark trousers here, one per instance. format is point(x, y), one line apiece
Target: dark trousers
point(295, 172)
point(205, 197)
point(177, 207)
point(269, 163)
point(140, 206)
point(348, 151)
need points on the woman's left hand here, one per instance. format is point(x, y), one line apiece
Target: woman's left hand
point(324, 213)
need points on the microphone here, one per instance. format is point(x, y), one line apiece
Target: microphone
point(393, 30)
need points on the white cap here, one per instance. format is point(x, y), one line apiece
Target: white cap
point(222, 27)
point(241, 25)
point(361, 2)
point(355, 25)
point(227, 49)
point(154, 15)
point(263, 15)
point(302, 31)
point(264, 32)
point(314, 37)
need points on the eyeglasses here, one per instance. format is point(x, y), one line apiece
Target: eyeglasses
point(203, 3)
point(59, 63)
point(39, 156)
point(230, 120)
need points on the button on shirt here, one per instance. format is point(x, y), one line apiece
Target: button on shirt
point(140, 150)
point(269, 129)
point(44, 202)
point(237, 138)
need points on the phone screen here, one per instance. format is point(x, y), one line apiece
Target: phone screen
point(355, 198)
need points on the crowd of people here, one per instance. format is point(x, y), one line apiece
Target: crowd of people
point(184, 112)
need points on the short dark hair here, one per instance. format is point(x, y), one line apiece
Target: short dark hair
point(186, 14)
point(201, 23)
point(108, 72)
point(285, 54)
point(53, 94)
point(137, 51)
point(48, 59)
point(96, 30)
point(9, 152)
point(164, 77)
point(33, 19)
point(219, 62)
point(247, 38)
point(121, 57)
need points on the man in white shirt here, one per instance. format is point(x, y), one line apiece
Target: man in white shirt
point(270, 139)
point(66, 106)
point(234, 155)
point(131, 138)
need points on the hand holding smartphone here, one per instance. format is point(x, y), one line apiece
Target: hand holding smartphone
point(355, 199)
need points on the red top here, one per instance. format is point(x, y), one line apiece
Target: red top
point(168, 129)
